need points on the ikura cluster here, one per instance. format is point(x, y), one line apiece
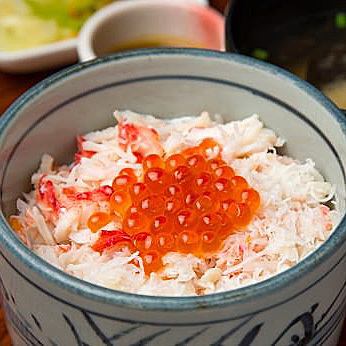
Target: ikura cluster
point(184, 203)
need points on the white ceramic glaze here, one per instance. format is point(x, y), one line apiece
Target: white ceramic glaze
point(128, 21)
point(304, 305)
point(41, 58)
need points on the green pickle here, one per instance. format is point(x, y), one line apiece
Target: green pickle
point(31, 23)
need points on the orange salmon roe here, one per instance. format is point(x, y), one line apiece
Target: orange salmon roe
point(98, 220)
point(153, 161)
point(185, 203)
point(174, 161)
point(208, 144)
point(128, 171)
point(120, 202)
point(123, 182)
point(213, 164)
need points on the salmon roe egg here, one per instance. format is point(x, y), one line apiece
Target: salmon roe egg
point(225, 204)
point(202, 181)
point(122, 182)
point(164, 242)
point(252, 198)
point(173, 191)
point(190, 199)
point(188, 241)
point(143, 241)
point(223, 189)
point(174, 161)
point(98, 220)
point(239, 184)
point(239, 213)
point(182, 175)
point(161, 224)
point(226, 226)
point(156, 179)
point(153, 161)
point(186, 203)
point(196, 163)
point(172, 205)
point(138, 191)
point(208, 145)
point(120, 202)
point(130, 172)
point(205, 203)
point(190, 151)
point(209, 241)
point(153, 204)
point(135, 223)
point(210, 222)
point(186, 219)
point(151, 261)
point(224, 172)
point(213, 164)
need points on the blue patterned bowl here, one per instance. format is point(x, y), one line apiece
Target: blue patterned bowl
point(44, 306)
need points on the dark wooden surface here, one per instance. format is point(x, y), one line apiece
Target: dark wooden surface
point(11, 86)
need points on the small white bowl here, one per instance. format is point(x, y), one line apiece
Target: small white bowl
point(129, 21)
point(40, 58)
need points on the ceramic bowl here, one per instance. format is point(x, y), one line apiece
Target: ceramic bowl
point(274, 20)
point(44, 306)
point(303, 36)
point(125, 23)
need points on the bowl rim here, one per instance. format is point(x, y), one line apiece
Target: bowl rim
point(99, 294)
point(94, 23)
point(40, 58)
point(39, 51)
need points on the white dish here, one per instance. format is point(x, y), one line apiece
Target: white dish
point(129, 21)
point(48, 56)
point(45, 57)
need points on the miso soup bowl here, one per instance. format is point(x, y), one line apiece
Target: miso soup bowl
point(44, 306)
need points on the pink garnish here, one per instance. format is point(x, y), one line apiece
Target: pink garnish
point(80, 140)
point(328, 225)
point(47, 194)
point(140, 139)
point(85, 153)
point(84, 196)
point(128, 133)
point(64, 247)
point(106, 190)
point(109, 239)
point(138, 156)
point(241, 248)
point(98, 195)
point(81, 152)
point(325, 210)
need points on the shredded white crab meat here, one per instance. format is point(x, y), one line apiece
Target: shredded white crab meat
point(290, 224)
